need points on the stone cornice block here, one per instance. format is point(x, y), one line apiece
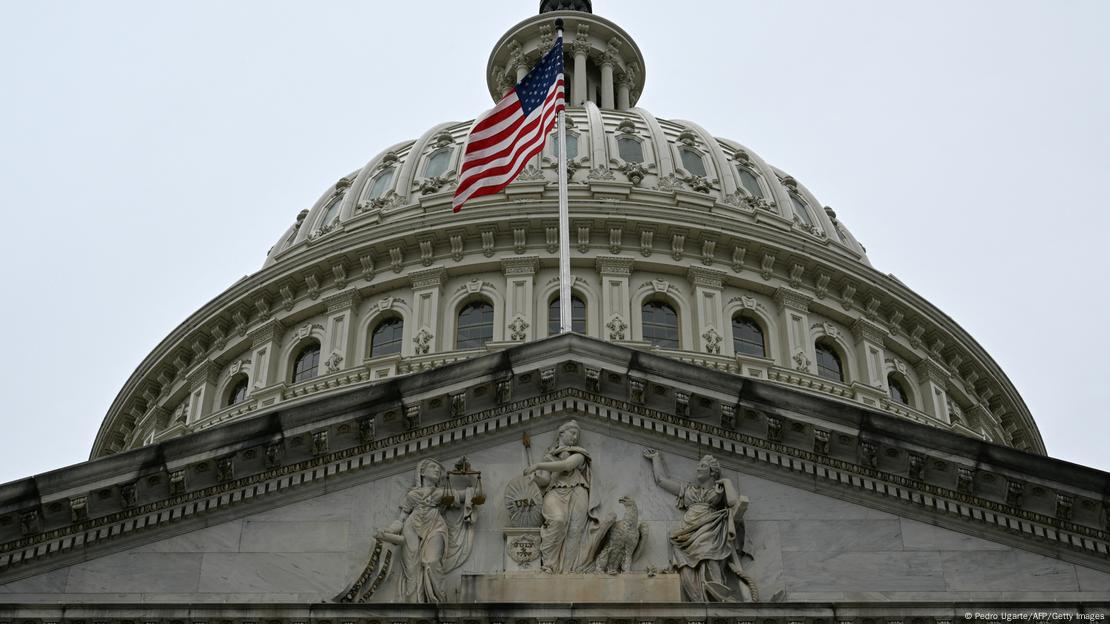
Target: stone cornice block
point(930, 369)
point(343, 300)
point(613, 265)
point(869, 331)
point(428, 278)
point(706, 278)
point(268, 331)
point(792, 299)
point(520, 265)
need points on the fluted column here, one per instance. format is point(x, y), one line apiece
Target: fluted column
point(581, 48)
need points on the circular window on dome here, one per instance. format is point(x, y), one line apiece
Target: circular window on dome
point(750, 181)
point(692, 162)
point(630, 149)
point(437, 163)
point(572, 145)
point(380, 184)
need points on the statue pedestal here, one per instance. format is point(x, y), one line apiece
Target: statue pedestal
point(539, 587)
point(522, 549)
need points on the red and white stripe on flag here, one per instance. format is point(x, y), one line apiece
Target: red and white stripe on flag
point(507, 136)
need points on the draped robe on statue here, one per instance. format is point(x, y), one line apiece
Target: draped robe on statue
point(564, 540)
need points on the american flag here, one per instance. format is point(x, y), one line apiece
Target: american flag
point(508, 135)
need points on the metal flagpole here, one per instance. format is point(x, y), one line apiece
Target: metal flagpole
point(564, 212)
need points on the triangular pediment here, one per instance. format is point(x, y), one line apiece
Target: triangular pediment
point(285, 507)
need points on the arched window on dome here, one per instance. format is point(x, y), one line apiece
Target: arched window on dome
point(475, 327)
point(801, 210)
point(660, 324)
point(307, 363)
point(380, 184)
point(236, 390)
point(898, 391)
point(386, 338)
point(331, 214)
point(692, 162)
point(750, 181)
point(828, 362)
point(572, 145)
point(630, 149)
point(577, 316)
point(747, 337)
point(437, 163)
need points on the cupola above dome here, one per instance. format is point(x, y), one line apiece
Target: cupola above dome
point(604, 65)
point(548, 6)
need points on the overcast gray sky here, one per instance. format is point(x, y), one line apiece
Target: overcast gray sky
point(151, 152)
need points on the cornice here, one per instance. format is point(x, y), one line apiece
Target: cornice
point(867, 456)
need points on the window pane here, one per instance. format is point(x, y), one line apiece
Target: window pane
point(238, 392)
point(750, 182)
point(572, 146)
point(475, 325)
point(897, 392)
point(437, 163)
point(630, 150)
point(577, 316)
point(692, 162)
point(747, 337)
point(386, 339)
point(332, 213)
point(380, 184)
point(304, 368)
point(828, 363)
point(801, 210)
point(660, 324)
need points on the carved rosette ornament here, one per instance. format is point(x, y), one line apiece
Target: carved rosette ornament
point(712, 341)
point(617, 327)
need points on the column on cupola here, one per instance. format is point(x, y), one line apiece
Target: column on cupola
point(520, 277)
point(581, 48)
point(517, 63)
point(708, 308)
point(337, 348)
point(427, 286)
point(797, 347)
point(933, 387)
point(608, 60)
point(624, 100)
point(265, 348)
point(616, 300)
point(870, 353)
point(202, 390)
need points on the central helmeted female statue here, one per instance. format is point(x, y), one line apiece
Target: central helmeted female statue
point(564, 476)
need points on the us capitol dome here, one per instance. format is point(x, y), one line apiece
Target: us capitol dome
point(683, 244)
